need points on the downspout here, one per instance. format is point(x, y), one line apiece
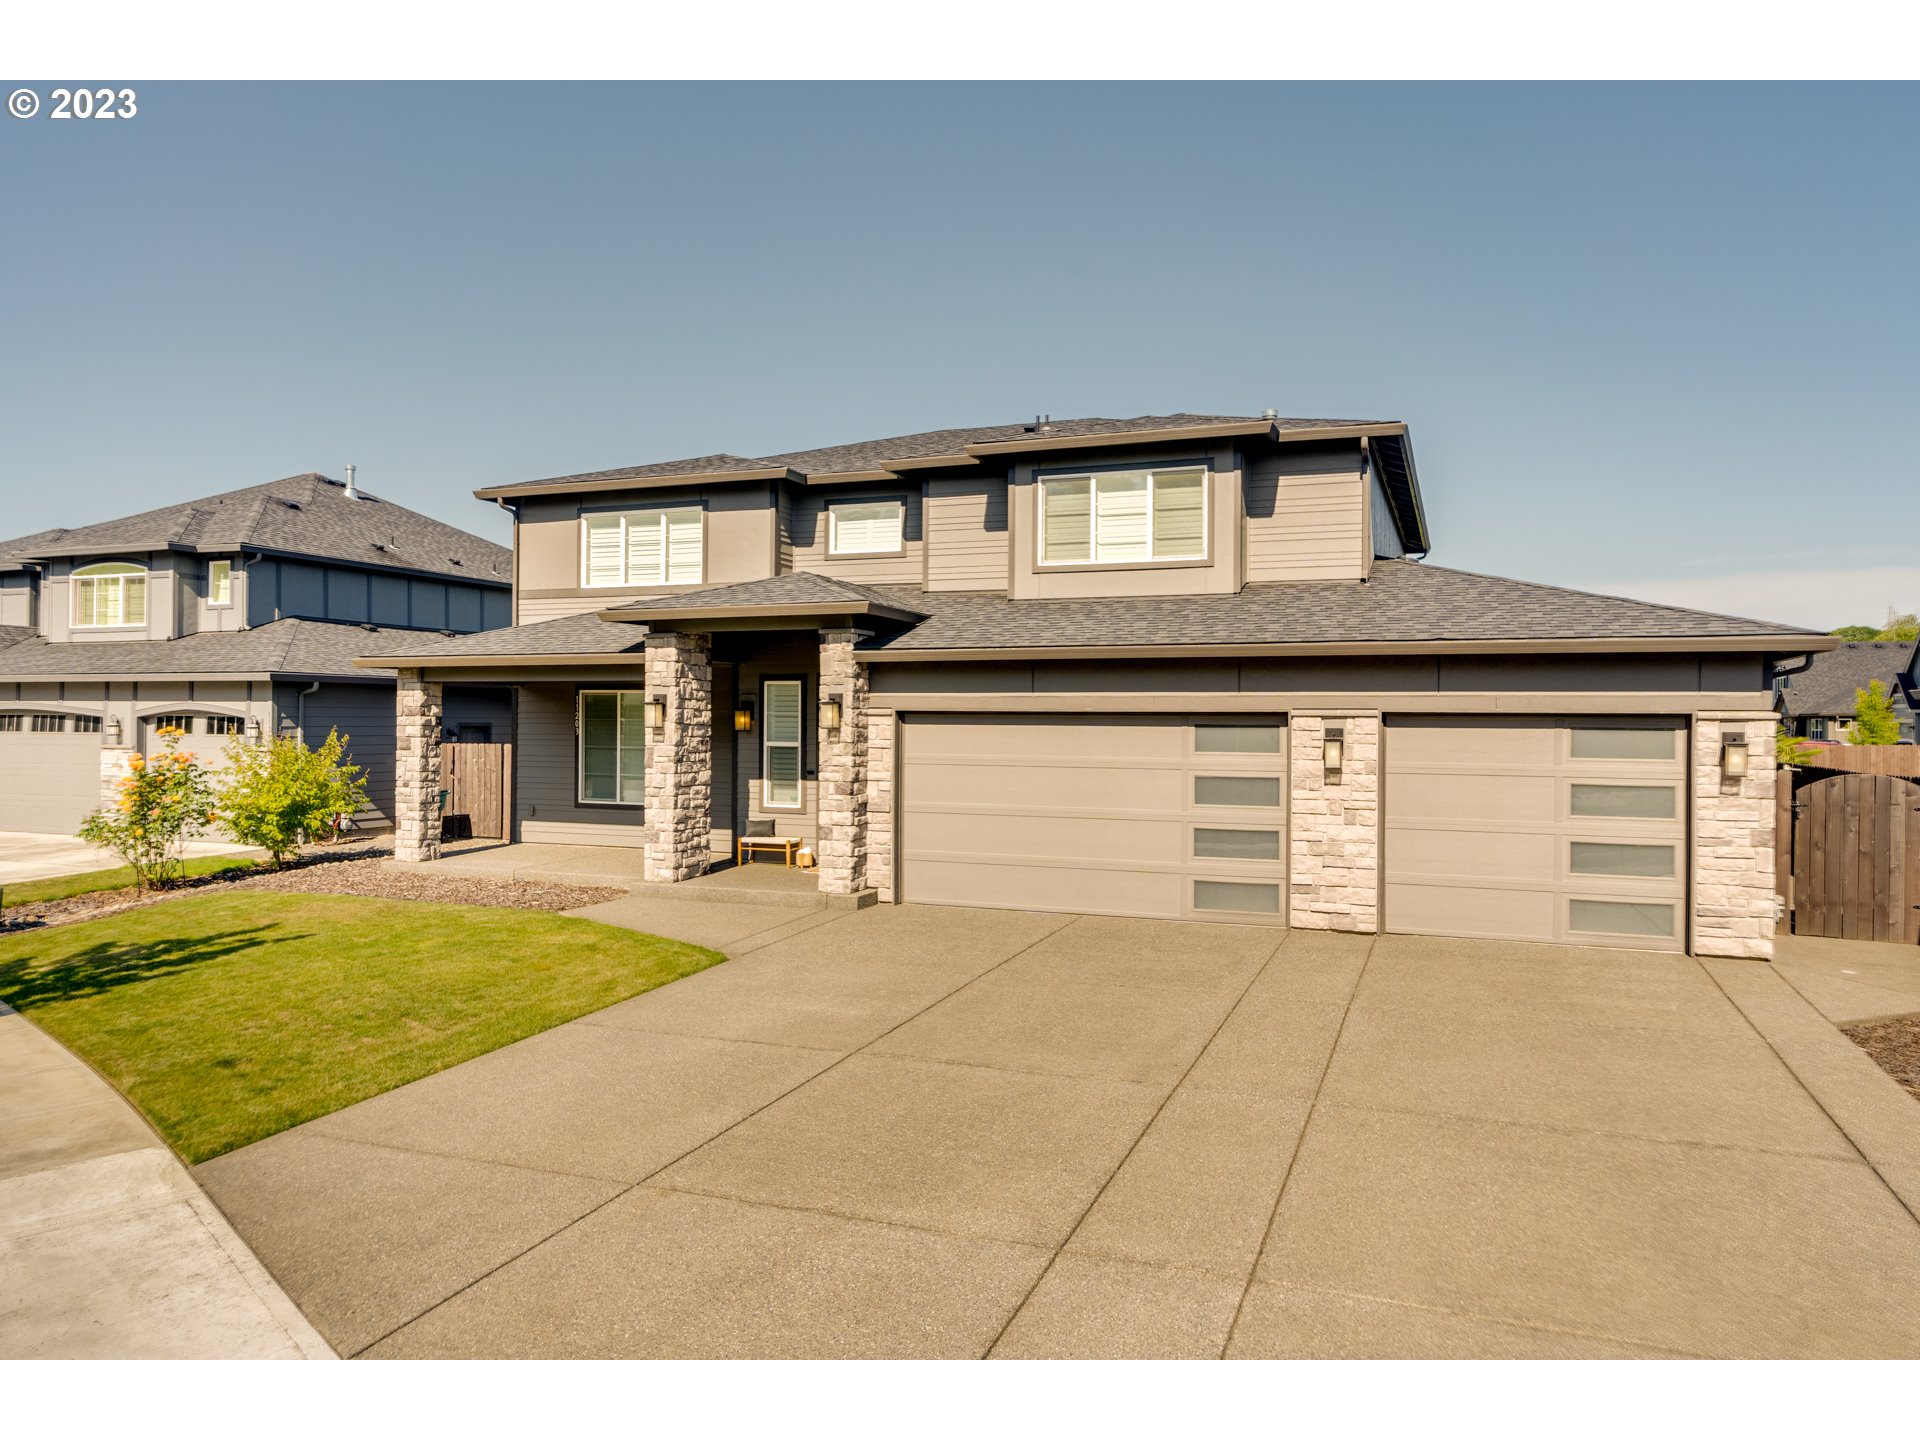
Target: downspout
point(300, 711)
point(513, 576)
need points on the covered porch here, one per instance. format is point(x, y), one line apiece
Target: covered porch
point(655, 737)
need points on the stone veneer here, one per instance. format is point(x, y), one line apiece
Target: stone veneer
point(1734, 900)
point(841, 848)
point(883, 731)
point(418, 715)
point(680, 758)
point(1333, 832)
point(116, 764)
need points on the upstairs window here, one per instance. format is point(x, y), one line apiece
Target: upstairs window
point(642, 547)
point(220, 582)
point(109, 595)
point(1123, 517)
point(866, 527)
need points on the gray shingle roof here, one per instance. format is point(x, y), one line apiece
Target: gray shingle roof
point(300, 515)
point(874, 454)
point(1402, 601)
point(585, 635)
point(14, 634)
point(290, 647)
point(799, 587)
point(1827, 685)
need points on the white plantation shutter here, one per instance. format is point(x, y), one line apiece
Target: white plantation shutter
point(781, 746)
point(1179, 514)
point(868, 527)
point(1068, 521)
point(646, 549)
point(1121, 508)
point(683, 546)
point(603, 550)
point(133, 591)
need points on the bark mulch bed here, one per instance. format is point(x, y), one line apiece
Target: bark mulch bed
point(351, 869)
point(1893, 1045)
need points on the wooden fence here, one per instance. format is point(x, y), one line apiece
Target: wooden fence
point(479, 784)
point(1868, 759)
point(1855, 856)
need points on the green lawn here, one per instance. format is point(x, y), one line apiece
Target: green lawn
point(227, 1018)
point(29, 892)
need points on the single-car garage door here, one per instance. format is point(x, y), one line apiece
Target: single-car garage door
point(1568, 830)
point(1096, 814)
point(49, 772)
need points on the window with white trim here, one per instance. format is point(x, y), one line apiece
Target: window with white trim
point(866, 527)
point(782, 703)
point(108, 595)
point(219, 582)
point(1123, 517)
point(612, 727)
point(642, 547)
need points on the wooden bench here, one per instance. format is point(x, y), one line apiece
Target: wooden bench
point(747, 844)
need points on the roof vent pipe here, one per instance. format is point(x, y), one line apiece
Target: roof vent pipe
point(1269, 414)
point(352, 494)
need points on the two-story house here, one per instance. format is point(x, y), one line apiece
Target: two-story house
point(1820, 699)
point(235, 616)
point(1186, 666)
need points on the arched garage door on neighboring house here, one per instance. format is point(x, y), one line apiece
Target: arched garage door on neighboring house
point(49, 770)
point(1135, 815)
point(1569, 830)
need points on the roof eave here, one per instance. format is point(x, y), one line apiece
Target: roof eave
point(564, 486)
point(790, 610)
point(1604, 645)
point(498, 662)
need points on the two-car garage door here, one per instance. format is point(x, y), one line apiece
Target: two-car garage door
point(49, 773)
point(1101, 815)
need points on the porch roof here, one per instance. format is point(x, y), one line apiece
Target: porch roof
point(797, 599)
point(582, 639)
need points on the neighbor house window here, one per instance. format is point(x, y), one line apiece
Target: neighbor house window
point(9, 724)
point(866, 527)
point(182, 723)
point(1816, 729)
point(643, 547)
point(613, 747)
point(225, 724)
point(220, 582)
point(49, 724)
point(86, 724)
point(782, 705)
point(110, 594)
point(1123, 517)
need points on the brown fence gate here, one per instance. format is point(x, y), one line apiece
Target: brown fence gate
point(1856, 858)
point(479, 785)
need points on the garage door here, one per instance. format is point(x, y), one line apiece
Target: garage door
point(49, 772)
point(1567, 830)
point(1096, 815)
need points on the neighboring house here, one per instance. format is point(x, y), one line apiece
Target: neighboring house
point(1820, 700)
point(1182, 666)
point(234, 616)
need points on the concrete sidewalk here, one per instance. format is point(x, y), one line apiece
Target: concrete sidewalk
point(26, 856)
point(1849, 981)
point(108, 1250)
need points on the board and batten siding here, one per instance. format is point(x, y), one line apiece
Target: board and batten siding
point(809, 537)
point(966, 534)
point(1306, 517)
point(363, 714)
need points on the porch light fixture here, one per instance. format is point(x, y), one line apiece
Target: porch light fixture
point(743, 716)
point(113, 731)
point(253, 729)
point(830, 716)
point(1733, 758)
point(1332, 752)
point(656, 714)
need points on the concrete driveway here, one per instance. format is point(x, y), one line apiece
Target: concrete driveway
point(25, 855)
point(933, 1132)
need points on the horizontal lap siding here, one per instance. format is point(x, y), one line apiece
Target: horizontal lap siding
point(966, 535)
point(809, 545)
point(1305, 524)
point(546, 782)
point(534, 609)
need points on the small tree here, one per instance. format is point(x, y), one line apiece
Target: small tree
point(163, 803)
point(1790, 749)
point(282, 793)
point(1874, 722)
point(1855, 633)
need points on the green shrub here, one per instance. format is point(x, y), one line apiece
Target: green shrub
point(163, 804)
point(1790, 749)
point(282, 793)
point(1874, 722)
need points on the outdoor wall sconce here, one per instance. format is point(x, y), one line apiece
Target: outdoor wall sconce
point(113, 730)
point(1733, 758)
point(253, 730)
point(830, 716)
point(743, 716)
point(656, 714)
point(1332, 752)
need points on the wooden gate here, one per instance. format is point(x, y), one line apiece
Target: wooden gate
point(1856, 858)
point(479, 783)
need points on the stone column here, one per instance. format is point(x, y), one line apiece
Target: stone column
point(116, 764)
point(1734, 901)
point(680, 758)
point(1333, 831)
point(883, 731)
point(842, 846)
point(418, 718)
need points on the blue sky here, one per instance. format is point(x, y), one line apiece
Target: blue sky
point(1657, 340)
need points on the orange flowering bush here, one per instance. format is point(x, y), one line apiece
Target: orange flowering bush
point(164, 802)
